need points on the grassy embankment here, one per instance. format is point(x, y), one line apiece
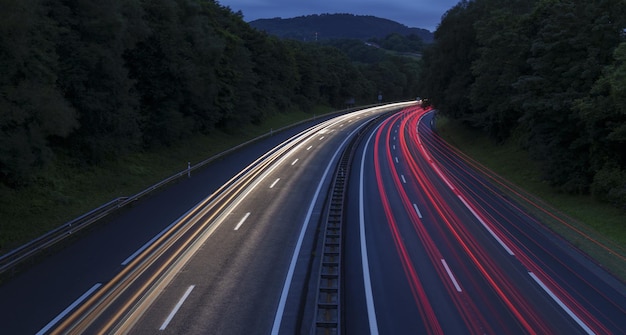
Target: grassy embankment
point(587, 220)
point(66, 190)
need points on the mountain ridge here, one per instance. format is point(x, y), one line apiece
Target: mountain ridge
point(336, 26)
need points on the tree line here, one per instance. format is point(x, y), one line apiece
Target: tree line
point(96, 79)
point(550, 74)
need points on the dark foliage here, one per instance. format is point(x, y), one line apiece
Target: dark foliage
point(549, 71)
point(96, 79)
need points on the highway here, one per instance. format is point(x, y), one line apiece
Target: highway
point(241, 244)
point(436, 249)
point(430, 246)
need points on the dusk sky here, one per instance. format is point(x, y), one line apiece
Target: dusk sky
point(413, 13)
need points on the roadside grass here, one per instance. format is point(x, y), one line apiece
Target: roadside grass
point(587, 221)
point(67, 189)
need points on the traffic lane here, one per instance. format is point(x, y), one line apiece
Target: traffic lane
point(33, 298)
point(431, 285)
point(237, 273)
point(393, 275)
point(521, 296)
point(549, 257)
point(495, 279)
point(474, 300)
point(551, 304)
point(266, 223)
point(477, 263)
point(580, 283)
point(151, 279)
point(399, 268)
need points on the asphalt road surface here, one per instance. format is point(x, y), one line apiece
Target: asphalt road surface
point(430, 247)
point(434, 248)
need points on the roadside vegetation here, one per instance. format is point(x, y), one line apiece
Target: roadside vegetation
point(536, 91)
point(64, 190)
point(549, 76)
point(588, 219)
point(93, 91)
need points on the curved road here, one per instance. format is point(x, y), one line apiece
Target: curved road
point(434, 248)
point(430, 247)
point(233, 255)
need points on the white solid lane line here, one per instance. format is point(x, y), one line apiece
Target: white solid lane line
point(242, 221)
point(456, 285)
point(367, 280)
point(278, 318)
point(177, 307)
point(69, 309)
point(496, 237)
point(274, 183)
point(560, 303)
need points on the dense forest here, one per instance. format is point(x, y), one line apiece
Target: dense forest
point(337, 26)
point(549, 74)
point(93, 80)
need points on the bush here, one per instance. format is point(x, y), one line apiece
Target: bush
point(609, 184)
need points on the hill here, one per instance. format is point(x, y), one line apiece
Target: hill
point(336, 26)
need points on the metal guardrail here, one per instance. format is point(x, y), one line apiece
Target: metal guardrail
point(29, 249)
point(20, 254)
point(328, 310)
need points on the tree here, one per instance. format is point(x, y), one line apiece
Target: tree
point(501, 60)
point(33, 110)
point(447, 75)
point(604, 115)
point(92, 74)
point(571, 42)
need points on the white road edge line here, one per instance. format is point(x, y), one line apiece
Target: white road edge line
point(367, 280)
point(242, 221)
point(68, 309)
point(296, 253)
point(417, 210)
point(560, 303)
point(441, 175)
point(456, 285)
point(486, 227)
point(177, 307)
point(274, 183)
